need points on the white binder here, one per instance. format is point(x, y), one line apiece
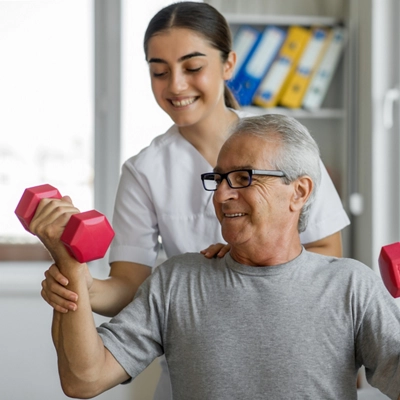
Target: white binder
point(323, 75)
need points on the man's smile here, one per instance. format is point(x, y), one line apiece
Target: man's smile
point(234, 215)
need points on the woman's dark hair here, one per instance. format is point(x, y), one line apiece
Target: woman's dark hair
point(201, 18)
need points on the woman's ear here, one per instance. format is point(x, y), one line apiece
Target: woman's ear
point(303, 187)
point(229, 66)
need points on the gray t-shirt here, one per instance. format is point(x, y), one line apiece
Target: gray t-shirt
point(299, 330)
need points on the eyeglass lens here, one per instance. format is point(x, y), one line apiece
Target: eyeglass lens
point(236, 179)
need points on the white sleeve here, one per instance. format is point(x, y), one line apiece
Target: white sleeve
point(134, 220)
point(327, 215)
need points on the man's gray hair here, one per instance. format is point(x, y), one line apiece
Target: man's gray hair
point(297, 156)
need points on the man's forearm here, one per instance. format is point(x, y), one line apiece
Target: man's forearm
point(79, 348)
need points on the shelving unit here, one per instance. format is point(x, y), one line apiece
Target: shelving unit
point(331, 125)
point(333, 106)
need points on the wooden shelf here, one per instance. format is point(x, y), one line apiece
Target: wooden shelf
point(323, 113)
point(303, 20)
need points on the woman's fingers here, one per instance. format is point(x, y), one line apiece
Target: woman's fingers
point(55, 293)
point(216, 250)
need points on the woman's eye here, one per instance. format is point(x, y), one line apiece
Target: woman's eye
point(158, 74)
point(193, 69)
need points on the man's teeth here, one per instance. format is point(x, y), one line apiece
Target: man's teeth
point(234, 215)
point(182, 103)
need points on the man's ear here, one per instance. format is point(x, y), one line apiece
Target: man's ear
point(302, 188)
point(229, 66)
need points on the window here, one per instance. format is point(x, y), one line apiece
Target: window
point(46, 101)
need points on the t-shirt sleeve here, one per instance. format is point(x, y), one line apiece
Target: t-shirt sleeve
point(378, 342)
point(134, 220)
point(135, 336)
point(327, 215)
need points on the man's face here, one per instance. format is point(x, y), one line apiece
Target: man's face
point(258, 214)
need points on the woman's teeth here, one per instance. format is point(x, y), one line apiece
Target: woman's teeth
point(182, 103)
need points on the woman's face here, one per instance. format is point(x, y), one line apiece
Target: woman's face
point(187, 75)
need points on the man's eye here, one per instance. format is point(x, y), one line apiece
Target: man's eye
point(242, 178)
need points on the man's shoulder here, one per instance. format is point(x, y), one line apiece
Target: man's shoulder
point(182, 270)
point(187, 261)
point(341, 267)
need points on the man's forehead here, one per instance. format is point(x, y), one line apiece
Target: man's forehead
point(243, 152)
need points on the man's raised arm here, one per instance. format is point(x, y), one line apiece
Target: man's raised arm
point(85, 366)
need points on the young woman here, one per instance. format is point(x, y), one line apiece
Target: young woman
point(188, 48)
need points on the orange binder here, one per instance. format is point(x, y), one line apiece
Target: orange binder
point(275, 81)
point(293, 95)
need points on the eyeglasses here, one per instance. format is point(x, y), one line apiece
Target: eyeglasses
point(237, 179)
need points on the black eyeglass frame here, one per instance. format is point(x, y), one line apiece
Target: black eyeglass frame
point(251, 172)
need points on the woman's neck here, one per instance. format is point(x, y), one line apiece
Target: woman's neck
point(209, 135)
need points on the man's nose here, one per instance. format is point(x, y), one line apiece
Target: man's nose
point(224, 192)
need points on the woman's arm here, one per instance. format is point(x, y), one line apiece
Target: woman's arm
point(108, 297)
point(328, 246)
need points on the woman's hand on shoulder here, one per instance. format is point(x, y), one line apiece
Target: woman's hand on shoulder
point(216, 250)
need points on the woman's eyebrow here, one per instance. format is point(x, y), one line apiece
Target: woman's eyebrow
point(183, 58)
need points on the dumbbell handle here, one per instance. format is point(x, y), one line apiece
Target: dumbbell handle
point(86, 236)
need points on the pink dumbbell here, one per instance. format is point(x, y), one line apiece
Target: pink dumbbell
point(86, 236)
point(389, 265)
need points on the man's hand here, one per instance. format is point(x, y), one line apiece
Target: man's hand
point(49, 222)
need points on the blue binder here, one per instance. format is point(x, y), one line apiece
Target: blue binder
point(256, 65)
point(245, 40)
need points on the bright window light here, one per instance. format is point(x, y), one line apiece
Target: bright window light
point(46, 103)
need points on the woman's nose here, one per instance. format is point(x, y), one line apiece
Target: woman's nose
point(177, 82)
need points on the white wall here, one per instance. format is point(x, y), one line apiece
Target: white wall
point(28, 363)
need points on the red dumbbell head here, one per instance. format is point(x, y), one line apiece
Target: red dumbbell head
point(87, 236)
point(30, 199)
point(389, 265)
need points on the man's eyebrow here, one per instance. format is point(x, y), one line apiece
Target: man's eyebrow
point(183, 58)
point(218, 170)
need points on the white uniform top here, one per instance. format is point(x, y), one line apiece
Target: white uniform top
point(160, 194)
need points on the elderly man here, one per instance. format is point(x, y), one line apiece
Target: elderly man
point(268, 321)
